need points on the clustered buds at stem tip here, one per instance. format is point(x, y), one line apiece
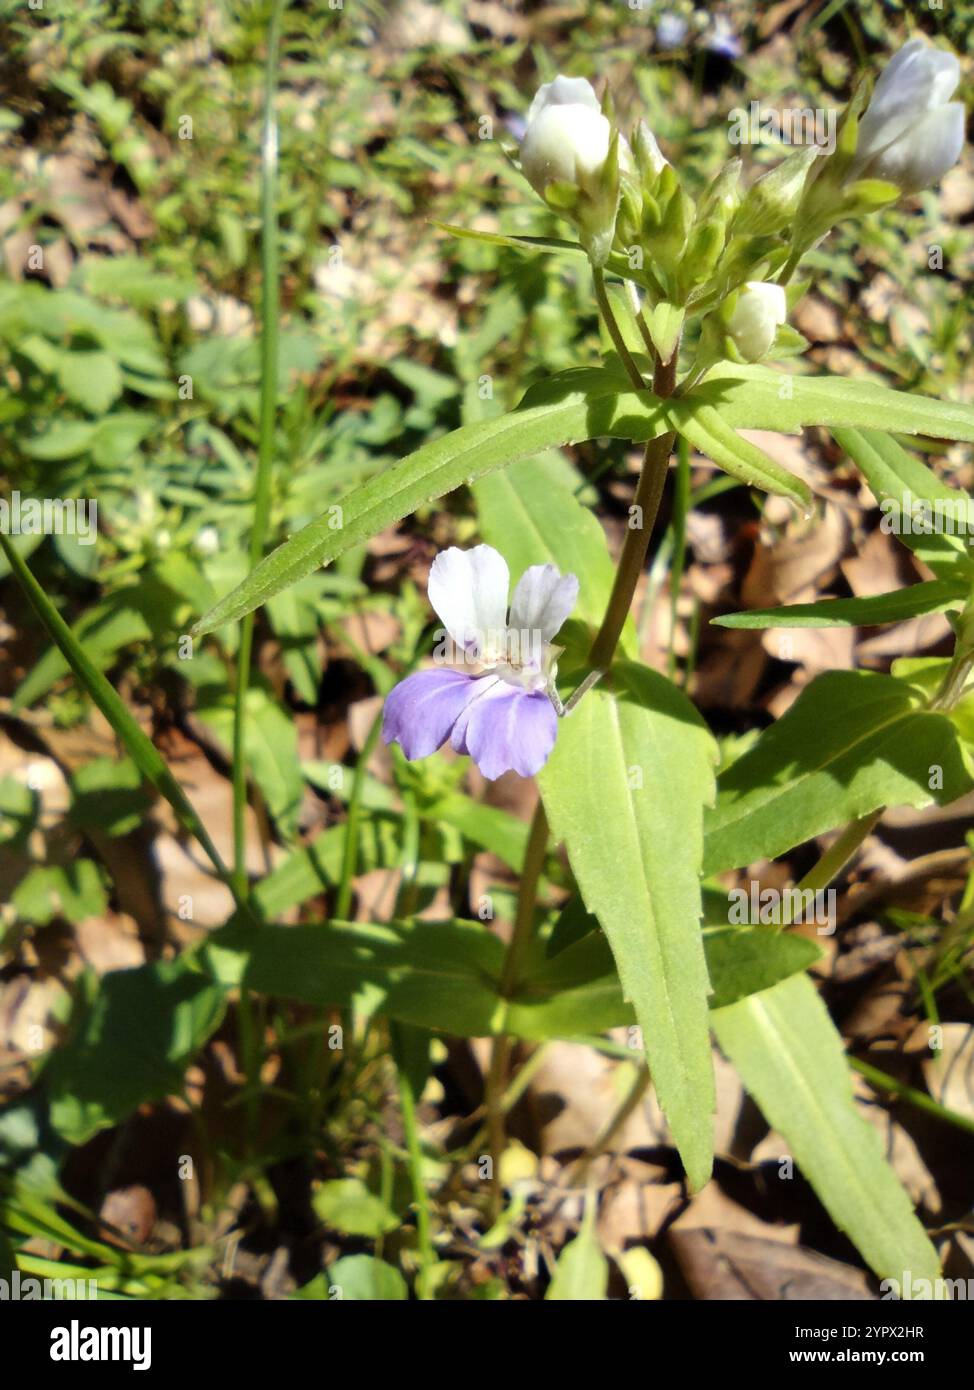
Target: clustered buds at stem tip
point(911, 133)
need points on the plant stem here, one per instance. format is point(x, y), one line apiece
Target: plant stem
point(615, 333)
point(510, 975)
point(343, 898)
point(911, 1095)
point(649, 492)
point(837, 856)
point(270, 311)
point(633, 1096)
point(424, 1239)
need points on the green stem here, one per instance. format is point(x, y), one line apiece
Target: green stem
point(270, 312)
point(649, 493)
point(510, 975)
point(633, 1096)
point(343, 899)
point(615, 333)
point(834, 860)
point(407, 1106)
point(911, 1095)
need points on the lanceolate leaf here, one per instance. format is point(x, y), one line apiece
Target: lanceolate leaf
point(617, 264)
point(433, 974)
point(853, 741)
point(142, 750)
point(578, 990)
point(708, 431)
point(461, 457)
point(790, 1059)
point(899, 481)
point(754, 397)
point(932, 597)
point(625, 790)
point(761, 398)
point(445, 975)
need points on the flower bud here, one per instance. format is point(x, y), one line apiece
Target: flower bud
point(911, 133)
point(753, 320)
point(567, 137)
point(771, 202)
point(571, 158)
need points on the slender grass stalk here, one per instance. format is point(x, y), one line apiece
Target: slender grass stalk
point(269, 314)
point(143, 752)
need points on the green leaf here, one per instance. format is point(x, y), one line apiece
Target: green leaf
point(462, 457)
point(364, 1279)
point(346, 1205)
point(617, 263)
point(107, 795)
point(103, 631)
point(934, 596)
point(578, 992)
point(635, 847)
point(132, 1037)
point(72, 891)
point(433, 974)
point(582, 1272)
point(91, 378)
point(853, 741)
point(140, 747)
point(790, 1058)
point(755, 397)
point(898, 481)
point(665, 324)
point(133, 279)
point(709, 432)
point(444, 975)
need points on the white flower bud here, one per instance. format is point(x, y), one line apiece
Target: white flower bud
point(567, 137)
point(911, 133)
point(567, 141)
point(754, 320)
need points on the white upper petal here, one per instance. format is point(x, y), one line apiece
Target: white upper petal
point(918, 79)
point(468, 589)
point(563, 91)
point(542, 601)
point(923, 155)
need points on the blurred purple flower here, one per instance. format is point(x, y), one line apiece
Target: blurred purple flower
point(722, 39)
point(671, 30)
point(502, 716)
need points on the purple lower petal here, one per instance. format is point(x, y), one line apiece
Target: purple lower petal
point(508, 729)
point(422, 709)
